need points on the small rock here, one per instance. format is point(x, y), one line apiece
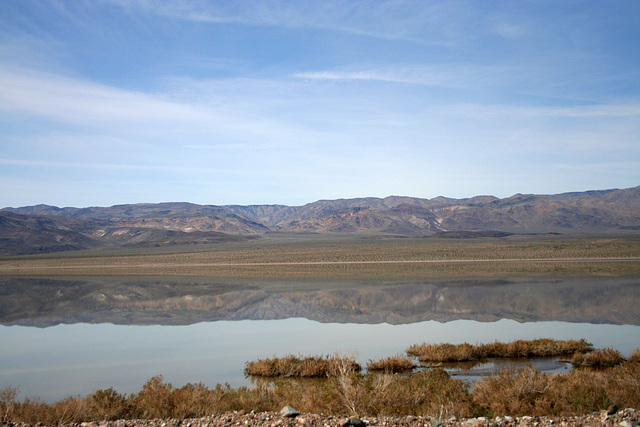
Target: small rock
point(355, 422)
point(289, 412)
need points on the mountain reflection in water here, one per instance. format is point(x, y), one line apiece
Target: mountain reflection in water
point(45, 302)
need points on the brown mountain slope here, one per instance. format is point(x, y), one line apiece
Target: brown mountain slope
point(28, 234)
point(31, 234)
point(49, 228)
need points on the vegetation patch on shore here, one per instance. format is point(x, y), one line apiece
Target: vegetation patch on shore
point(346, 392)
point(391, 364)
point(299, 366)
point(543, 347)
point(431, 392)
point(604, 357)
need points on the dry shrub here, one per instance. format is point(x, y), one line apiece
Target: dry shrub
point(623, 385)
point(107, 405)
point(32, 411)
point(430, 392)
point(310, 395)
point(345, 391)
point(223, 398)
point(445, 352)
point(29, 411)
point(601, 358)
point(8, 403)
point(634, 357)
point(542, 347)
point(346, 381)
point(573, 346)
point(155, 400)
point(297, 366)
point(192, 400)
point(578, 392)
point(391, 364)
point(68, 411)
point(583, 391)
point(514, 392)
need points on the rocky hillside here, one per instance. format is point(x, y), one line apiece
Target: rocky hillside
point(44, 228)
point(34, 234)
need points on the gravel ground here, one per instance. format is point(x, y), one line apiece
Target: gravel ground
point(622, 418)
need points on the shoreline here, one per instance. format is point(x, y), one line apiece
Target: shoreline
point(628, 417)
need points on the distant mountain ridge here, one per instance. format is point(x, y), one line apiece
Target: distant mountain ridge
point(44, 228)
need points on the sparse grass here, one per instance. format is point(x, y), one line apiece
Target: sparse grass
point(601, 358)
point(391, 364)
point(299, 366)
point(543, 347)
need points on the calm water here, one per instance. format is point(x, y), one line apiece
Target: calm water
point(90, 336)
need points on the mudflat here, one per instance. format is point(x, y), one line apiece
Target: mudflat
point(349, 256)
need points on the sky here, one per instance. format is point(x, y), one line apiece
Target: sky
point(106, 102)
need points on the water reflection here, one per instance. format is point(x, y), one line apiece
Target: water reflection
point(56, 362)
point(473, 371)
point(119, 332)
point(160, 301)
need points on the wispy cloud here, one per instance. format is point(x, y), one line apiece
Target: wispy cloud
point(93, 166)
point(275, 101)
point(416, 21)
point(72, 101)
point(448, 75)
point(423, 77)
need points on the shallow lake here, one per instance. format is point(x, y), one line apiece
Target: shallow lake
point(70, 337)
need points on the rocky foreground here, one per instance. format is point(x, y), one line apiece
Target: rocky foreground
point(290, 418)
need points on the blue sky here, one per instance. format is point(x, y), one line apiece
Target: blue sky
point(249, 102)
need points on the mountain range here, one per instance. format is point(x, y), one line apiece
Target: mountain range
point(45, 229)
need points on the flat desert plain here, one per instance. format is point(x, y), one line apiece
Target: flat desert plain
point(348, 257)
